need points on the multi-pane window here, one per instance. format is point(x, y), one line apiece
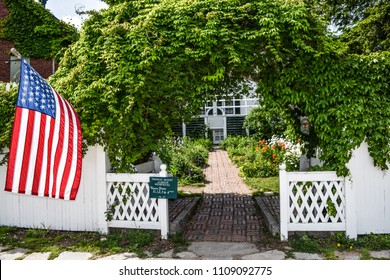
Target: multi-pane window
point(233, 106)
point(15, 68)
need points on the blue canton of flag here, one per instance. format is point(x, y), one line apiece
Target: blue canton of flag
point(35, 94)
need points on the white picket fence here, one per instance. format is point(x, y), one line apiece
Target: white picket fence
point(98, 192)
point(322, 201)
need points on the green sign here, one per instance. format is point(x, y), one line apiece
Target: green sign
point(163, 187)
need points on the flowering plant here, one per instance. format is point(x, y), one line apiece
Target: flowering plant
point(278, 150)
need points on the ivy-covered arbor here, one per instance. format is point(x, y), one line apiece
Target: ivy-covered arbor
point(141, 66)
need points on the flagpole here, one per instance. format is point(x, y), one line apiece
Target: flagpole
point(16, 53)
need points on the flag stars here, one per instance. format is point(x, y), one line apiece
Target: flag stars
point(35, 93)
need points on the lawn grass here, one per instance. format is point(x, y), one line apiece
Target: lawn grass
point(262, 185)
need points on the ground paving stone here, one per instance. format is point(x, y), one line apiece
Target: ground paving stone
point(37, 256)
point(13, 254)
point(187, 256)
point(347, 255)
point(121, 256)
point(222, 249)
point(307, 256)
point(167, 254)
point(74, 256)
point(385, 254)
point(268, 255)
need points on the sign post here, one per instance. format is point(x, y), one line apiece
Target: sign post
point(163, 188)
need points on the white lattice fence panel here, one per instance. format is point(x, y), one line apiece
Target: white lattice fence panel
point(129, 204)
point(316, 202)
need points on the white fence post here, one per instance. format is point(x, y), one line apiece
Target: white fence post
point(283, 194)
point(350, 209)
point(101, 189)
point(163, 208)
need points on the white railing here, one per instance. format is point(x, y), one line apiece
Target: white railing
point(129, 205)
point(316, 201)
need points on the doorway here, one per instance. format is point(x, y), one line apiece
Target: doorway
point(218, 136)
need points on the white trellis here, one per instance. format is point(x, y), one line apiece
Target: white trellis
point(129, 205)
point(316, 201)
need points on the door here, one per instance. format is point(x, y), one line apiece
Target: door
point(218, 136)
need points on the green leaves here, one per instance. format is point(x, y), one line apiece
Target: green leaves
point(35, 31)
point(142, 66)
point(347, 101)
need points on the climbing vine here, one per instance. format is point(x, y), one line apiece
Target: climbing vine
point(35, 31)
point(141, 66)
point(345, 97)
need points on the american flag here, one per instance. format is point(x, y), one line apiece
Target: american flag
point(45, 153)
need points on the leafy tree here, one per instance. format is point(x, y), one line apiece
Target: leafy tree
point(345, 97)
point(343, 13)
point(7, 111)
point(372, 33)
point(364, 25)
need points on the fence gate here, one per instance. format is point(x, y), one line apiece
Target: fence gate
point(316, 201)
point(129, 205)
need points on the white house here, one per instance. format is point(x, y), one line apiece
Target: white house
point(222, 117)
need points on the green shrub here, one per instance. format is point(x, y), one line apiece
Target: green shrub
point(185, 158)
point(237, 142)
point(265, 123)
point(259, 168)
point(306, 244)
point(197, 154)
point(185, 170)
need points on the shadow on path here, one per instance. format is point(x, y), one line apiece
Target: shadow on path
point(228, 212)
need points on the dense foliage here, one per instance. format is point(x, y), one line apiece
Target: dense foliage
point(35, 31)
point(372, 33)
point(263, 123)
point(186, 158)
point(141, 66)
point(346, 98)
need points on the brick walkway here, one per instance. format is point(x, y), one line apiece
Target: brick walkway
point(228, 212)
